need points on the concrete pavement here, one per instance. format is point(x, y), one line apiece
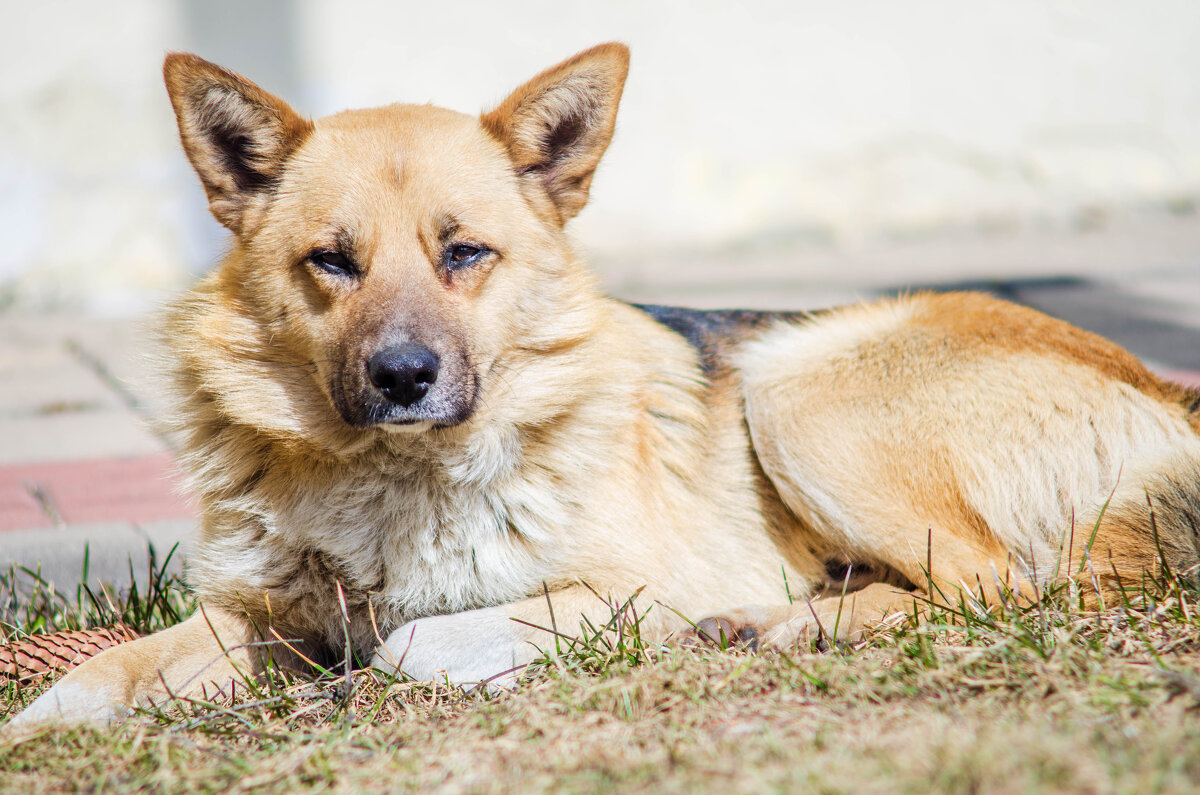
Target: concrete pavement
point(80, 466)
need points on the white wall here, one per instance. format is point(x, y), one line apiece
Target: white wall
point(88, 198)
point(831, 119)
point(769, 128)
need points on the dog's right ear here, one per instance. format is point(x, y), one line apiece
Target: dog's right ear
point(236, 135)
point(557, 125)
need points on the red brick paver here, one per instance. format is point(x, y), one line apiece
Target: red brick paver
point(19, 509)
point(134, 489)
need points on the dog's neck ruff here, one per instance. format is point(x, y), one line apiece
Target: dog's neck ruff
point(416, 536)
point(434, 522)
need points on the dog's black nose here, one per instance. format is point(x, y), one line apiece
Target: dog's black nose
point(403, 373)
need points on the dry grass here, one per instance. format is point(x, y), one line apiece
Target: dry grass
point(983, 698)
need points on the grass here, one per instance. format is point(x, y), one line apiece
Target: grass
point(977, 697)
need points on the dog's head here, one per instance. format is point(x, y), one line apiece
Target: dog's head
point(399, 252)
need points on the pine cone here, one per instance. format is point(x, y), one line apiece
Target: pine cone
point(37, 655)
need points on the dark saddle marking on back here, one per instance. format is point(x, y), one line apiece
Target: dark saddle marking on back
point(711, 331)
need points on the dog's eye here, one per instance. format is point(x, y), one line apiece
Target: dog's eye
point(333, 262)
point(463, 255)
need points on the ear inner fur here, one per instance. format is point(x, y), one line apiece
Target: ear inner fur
point(236, 135)
point(557, 126)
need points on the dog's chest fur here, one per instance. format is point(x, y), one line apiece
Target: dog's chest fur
point(414, 536)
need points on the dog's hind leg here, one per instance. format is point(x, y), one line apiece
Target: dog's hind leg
point(1147, 529)
point(844, 614)
point(918, 447)
point(855, 432)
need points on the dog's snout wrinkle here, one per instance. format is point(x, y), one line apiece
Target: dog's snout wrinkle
point(403, 373)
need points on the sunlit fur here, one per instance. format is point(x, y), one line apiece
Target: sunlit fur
point(575, 449)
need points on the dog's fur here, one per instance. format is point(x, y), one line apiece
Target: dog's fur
point(574, 447)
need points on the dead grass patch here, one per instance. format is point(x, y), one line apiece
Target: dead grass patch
point(980, 698)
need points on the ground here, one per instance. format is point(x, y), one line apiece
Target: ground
point(984, 697)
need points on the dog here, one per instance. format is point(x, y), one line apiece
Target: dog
point(409, 415)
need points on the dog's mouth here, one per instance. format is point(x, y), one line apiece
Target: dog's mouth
point(368, 411)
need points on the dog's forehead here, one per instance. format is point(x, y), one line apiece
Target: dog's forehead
point(385, 174)
point(406, 142)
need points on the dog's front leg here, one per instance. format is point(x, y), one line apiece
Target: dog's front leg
point(209, 649)
point(493, 644)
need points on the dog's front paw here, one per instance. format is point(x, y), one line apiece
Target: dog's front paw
point(476, 647)
point(69, 703)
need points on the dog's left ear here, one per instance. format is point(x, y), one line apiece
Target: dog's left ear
point(557, 126)
point(237, 135)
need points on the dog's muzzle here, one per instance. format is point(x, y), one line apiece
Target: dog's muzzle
point(404, 385)
point(403, 373)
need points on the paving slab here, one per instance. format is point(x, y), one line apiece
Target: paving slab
point(99, 433)
point(125, 354)
point(117, 553)
point(44, 379)
point(136, 489)
point(119, 353)
point(1127, 250)
point(21, 506)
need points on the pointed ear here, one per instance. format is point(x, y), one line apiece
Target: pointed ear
point(237, 136)
point(558, 124)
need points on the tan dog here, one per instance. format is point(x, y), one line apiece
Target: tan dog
point(402, 381)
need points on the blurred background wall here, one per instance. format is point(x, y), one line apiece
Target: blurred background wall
point(831, 143)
